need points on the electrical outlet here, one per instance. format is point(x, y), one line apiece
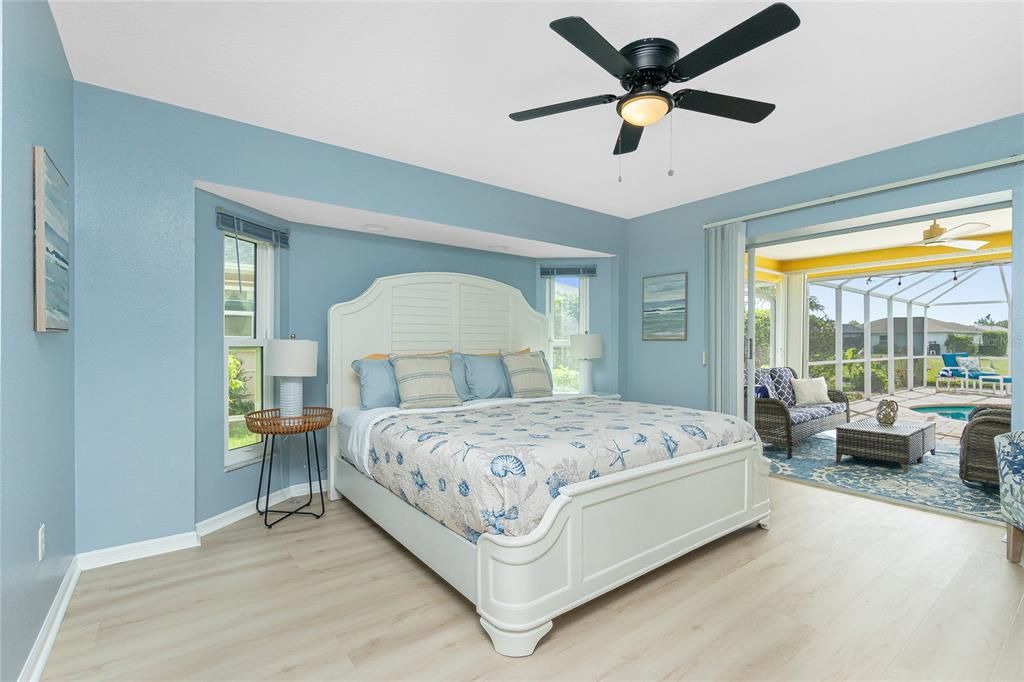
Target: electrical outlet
point(42, 543)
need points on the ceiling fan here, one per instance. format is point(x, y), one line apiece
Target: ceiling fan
point(936, 235)
point(645, 66)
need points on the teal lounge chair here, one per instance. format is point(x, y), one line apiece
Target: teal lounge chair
point(954, 371)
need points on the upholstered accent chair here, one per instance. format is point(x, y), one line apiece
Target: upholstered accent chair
point(977, 443)
point(1010, 454)
point(780, 421)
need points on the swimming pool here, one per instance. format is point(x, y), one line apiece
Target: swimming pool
point(959, 412)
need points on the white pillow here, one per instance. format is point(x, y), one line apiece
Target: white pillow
point(969, 364)
point(811, 391)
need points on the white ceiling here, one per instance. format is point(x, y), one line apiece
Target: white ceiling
point(357, 220)
point(999, 220)
point(432, 83)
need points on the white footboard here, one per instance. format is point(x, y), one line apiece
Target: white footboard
point(601, 533)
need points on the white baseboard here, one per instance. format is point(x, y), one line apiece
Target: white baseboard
point(137, 550)
point(242, 511)
point(32, 671)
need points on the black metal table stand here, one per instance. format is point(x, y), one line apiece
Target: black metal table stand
point(267, 511)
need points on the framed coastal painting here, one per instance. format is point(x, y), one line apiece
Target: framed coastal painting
point(52, 245)
point(664, 307)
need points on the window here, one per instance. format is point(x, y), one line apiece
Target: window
point(248, 324)
point(567, 306)
point(764, 324)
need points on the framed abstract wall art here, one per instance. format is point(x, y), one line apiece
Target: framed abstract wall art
point(664, 307)
point(52, 245)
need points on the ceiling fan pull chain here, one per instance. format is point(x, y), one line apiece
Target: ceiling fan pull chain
point(671, 147)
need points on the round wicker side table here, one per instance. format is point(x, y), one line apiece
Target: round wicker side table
point(271, 423)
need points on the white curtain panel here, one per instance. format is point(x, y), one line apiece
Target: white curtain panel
point(724, 248)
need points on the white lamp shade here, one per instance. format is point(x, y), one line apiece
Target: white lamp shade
point(586, 346)
point(291, 358)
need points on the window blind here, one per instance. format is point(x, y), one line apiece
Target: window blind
point(569, 271)
point(249, 230)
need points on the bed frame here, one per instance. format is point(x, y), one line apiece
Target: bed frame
point(596, 535)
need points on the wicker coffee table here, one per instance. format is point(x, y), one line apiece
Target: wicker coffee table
point(904, 442)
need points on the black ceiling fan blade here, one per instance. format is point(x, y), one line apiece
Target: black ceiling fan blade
point(562, 107)
point(587, 40)
point(765, 26)
point(628, 139)
point(726, 106)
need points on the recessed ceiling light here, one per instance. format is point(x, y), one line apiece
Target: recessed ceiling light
point(373, 227)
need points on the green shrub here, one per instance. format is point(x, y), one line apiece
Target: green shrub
point(959, 343)
point(993, 343)
point(565, 378)
point(238, 388)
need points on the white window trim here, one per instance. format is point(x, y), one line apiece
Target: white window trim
point(554, 343)
point(265, 325)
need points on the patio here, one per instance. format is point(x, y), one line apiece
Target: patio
point(886, 320)
point(946, 430)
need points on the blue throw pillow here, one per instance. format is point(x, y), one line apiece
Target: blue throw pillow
point(377, 384)
point(485, 377)
point(458, 365)
point(761, 391)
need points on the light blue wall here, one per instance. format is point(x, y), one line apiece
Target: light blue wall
point(136, 294)
point(37, 474)
point(673, 239)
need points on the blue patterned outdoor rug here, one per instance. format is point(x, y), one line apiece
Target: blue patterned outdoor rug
point(935, 483)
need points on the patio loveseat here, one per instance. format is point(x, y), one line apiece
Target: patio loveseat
point(780, 421)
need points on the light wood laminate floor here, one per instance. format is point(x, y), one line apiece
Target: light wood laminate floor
point(841, 587)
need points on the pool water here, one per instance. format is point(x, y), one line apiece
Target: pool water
point(960, 412)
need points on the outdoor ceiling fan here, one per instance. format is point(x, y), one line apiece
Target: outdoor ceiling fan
point(936, 235)
point(645, 66)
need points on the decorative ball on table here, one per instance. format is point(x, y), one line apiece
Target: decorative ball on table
point(886, 412)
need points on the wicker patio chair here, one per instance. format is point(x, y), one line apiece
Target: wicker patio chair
point(977, 443)
point(781, 424)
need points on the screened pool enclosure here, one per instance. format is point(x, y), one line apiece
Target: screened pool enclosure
point(880, 334)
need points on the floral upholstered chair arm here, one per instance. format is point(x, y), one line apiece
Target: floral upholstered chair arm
point(1010, 457)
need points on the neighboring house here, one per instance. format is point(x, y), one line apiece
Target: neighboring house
point(938, 332)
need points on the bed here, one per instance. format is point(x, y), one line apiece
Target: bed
point(528, 508)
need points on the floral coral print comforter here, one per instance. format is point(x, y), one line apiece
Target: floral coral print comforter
point(496, 468)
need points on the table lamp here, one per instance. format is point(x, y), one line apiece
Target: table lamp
point(586, 347)
point(291, 360)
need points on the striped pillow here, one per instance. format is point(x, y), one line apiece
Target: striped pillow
point(527, 374)
point(424, 381)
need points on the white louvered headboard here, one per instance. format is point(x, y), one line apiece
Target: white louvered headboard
point(426, 312)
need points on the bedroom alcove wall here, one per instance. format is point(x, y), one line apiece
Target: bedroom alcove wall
point(323, 266)
point(37, 406)
point(136, 281)
point(667, 241)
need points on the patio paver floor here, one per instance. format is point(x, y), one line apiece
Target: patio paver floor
point(946, 430)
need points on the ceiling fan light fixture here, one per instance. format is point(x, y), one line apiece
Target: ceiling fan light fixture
point(645, 108)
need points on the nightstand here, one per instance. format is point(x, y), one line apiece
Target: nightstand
point(271, 423)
